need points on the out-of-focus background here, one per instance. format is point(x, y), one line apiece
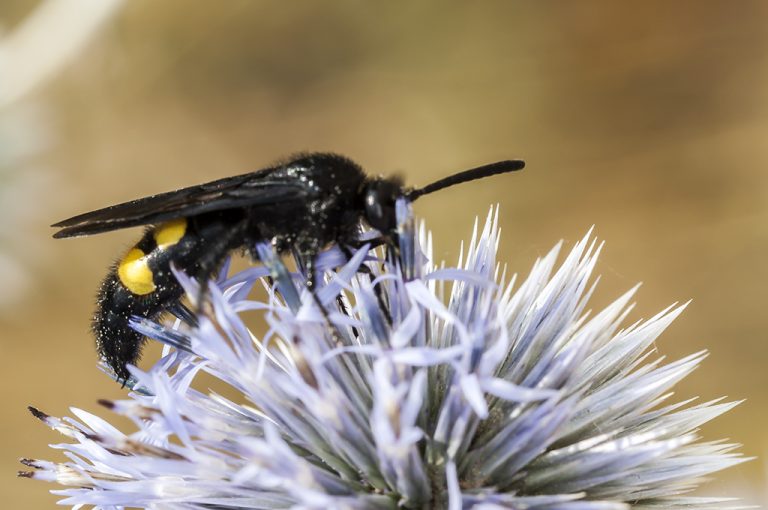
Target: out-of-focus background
point(648, 120)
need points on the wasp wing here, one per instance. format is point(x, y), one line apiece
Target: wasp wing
point(265, 187)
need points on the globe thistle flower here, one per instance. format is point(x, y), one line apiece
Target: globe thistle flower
point(420, 387)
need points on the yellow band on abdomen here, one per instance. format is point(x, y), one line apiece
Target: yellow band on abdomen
point(170, 233)
point(134, 271)
point(135, 274)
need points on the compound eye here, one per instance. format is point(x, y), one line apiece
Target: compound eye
point(380, 208)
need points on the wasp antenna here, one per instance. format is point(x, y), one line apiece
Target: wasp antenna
point(500, 167)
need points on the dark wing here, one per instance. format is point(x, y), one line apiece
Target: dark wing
point(265, 187)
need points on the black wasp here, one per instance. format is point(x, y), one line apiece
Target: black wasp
point(302, 205)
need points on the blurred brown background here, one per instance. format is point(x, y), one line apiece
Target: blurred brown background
point(647, 120)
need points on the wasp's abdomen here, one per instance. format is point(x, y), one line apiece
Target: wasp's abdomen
point(141, 284)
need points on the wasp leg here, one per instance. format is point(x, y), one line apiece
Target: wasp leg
point(343, 307)
point(309, 264)
point(376, 288)
point(183, 312)
point(307, 258)
point(212, 259)
point(356, 244)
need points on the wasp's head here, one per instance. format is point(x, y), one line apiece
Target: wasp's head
point(380, 196)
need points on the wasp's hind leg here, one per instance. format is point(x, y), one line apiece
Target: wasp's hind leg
point(211, 260)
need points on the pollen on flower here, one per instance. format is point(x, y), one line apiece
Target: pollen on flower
point(470, 389)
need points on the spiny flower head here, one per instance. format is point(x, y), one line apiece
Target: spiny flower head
point(420, 387)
